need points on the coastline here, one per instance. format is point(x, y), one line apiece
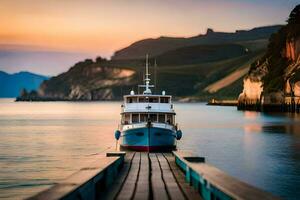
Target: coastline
point(214, 102)
point(178, 100)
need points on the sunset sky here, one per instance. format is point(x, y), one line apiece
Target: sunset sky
point(48, 36)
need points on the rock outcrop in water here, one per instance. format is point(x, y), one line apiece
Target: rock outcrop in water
point(274, 80)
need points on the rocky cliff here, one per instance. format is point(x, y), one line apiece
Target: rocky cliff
point(87, 80)
point(275, 78)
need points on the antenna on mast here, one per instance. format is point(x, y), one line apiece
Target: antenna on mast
point(147, 70)
point(147, 79)
point(155, 76)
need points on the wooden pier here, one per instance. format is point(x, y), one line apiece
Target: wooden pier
point(151, 176)
point(214, 102)
point(143, 175)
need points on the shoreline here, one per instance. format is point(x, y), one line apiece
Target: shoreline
point(214, 102)
point(211, 102)
point(217, 103)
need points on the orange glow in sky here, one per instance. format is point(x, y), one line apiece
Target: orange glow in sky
point(105, 26)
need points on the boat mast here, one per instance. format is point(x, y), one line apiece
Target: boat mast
point(147, 79)
point(155, 77)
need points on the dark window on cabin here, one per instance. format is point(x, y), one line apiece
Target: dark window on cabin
point(122, 119)
point(169, 119)
point(161, 118)
point(126, 118)
point(142, 99)
point(153, 117)
point(143, 117)
point(153, 100)
point(131, 99)
point(164, 99)
point(135, 118)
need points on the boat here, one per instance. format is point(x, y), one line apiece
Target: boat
point(148, 120)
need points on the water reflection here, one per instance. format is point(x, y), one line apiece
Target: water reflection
point(41, 143)
point(251, 114)
point(261, 149)
point(253, 128)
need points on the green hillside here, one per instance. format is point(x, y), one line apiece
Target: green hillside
point(194, 78)
point(200, 54)
point(161, 45)
point(185, 68)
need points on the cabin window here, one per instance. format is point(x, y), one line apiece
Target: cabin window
point(142, 99)
point(169, 119)
point(131, 99)
point(161, 118)
point(122, 119)
point(153, 117)
point(126, 118)
point(143, 117)
point(153, 100)
point(164, 99)
point(135, 118)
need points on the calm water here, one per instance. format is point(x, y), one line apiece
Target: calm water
point(41, 143)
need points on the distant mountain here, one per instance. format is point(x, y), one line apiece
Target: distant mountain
point(202, 67)
point(12, 84)
point(161, 45)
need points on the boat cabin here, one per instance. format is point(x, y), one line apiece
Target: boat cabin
point(132, 118)
point(147, 99)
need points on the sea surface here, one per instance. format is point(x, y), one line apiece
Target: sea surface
point(44, 142)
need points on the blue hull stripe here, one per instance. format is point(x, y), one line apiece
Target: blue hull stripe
point(152, 136)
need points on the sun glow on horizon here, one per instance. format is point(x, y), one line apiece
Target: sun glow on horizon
point(68, 31)
point(106, 26)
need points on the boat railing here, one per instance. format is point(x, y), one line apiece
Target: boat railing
point(144, 124)
point(161, 107)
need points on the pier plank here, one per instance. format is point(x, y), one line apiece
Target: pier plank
point(115, 189)
point(129, 187)
point(157, 184)
point(172, 186)
point(188, 191)
point(142, 190)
